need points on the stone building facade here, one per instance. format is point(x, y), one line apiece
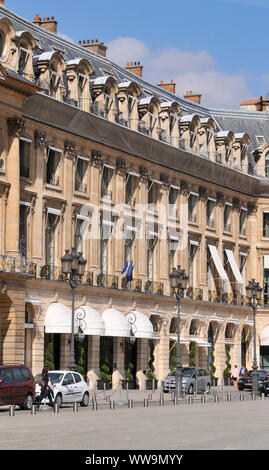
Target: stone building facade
point(93, 157)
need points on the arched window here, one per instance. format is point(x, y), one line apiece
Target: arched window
point(266, 164)
point(1, 44)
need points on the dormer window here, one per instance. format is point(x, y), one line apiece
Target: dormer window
point(55, 80)
point(24, 56)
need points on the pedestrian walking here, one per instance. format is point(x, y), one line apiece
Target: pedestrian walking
point(46, 391)
point(243, 371)
point(235, 375)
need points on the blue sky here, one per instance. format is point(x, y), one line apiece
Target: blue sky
point(215, 47)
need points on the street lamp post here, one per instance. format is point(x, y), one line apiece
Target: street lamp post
point(178, 281)
point(73, 266)
point(254, 295)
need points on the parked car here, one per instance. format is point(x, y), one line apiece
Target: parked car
point(245, 382)
point(17, 386)
point(67, 387)
point(193, 380)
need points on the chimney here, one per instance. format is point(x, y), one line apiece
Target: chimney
point(2, 2)
point(95, 46)
point(135, 67)
point(168, 86)
point(195, 98)
point(50, 24)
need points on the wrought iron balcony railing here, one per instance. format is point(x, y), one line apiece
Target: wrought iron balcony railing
point(107, 280)
point(7, 264)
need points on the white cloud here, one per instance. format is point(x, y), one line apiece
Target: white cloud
point(194, 71)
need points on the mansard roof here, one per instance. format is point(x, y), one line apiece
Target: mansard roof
point(253, 123)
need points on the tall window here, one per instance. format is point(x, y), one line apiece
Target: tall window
point(266, 286)
point(107, 174)
point(150, 259)
point(1, 45)
point(50, 239)
point(192, 253)
point(104, 247)
point(129, 189)
point(25, 148)
point(210, 207)
point(226, 217)
point(24, 56)
point(80, 175)
point(266, 224)
point(192, 202)
point(53, 164)
point(242, 221)
point(23, 231)
point(267, 165)
point(81, 224)
point(173, 195)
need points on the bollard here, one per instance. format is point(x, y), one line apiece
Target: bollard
point(263, 396)
point(75, 407)
point(175, 400)
point(94, 406)
point(203, 399)
point(12, 410)
point(56, 408)
point(253, 396)
point(112, 405)
point(130, 403)
point(150, 396)
point(242, 397)
point(216, 398)
point(33, 410)
point(190, 400)
point(146, 402)
point(229, 397)
point(161, 402)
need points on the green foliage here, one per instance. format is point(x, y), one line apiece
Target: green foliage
point(227, 371)
point(150, 372)
point(49, 356)
point(212, 365)
point(192, 354)
point(104, 373)
point(128, 372)
point(80, 366)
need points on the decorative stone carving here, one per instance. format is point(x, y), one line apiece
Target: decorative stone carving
point(203, 193)
point(252, 207)
point(220, 199)
point(144, 173)
point(165, 180)
point(40, 139)
point(121, 166)
point(96, 158)
point(69, 149)
point(15, 126)
point(236, 204)
point(184, 187)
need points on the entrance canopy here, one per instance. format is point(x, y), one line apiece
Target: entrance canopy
point(143, 327)
point(265, 336)
point(58, 319)
point(90, 321)
point(116, 323)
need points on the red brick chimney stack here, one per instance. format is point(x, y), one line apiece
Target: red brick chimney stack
point(168, 86)
point(50, 24)
point(135, 67)
point(95, 46)
point(2, 2)
point(195, 98)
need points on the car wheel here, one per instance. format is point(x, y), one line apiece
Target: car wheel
point(190, 391)
point(28, 403)
point(58, 400)
point(207, 389)
point(85, 400)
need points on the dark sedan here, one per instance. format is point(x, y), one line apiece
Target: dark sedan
point(245, 382)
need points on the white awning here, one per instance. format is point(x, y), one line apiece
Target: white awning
point(58, 319)
point(182, 340)
point(234, 266)
point(201, 343)
point(218, 263)
point(264, 338)
point(143, 327)
point(116, 323)
point(266, 261)
point(90, 321)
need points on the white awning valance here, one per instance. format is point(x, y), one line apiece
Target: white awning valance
point(217, 262)
point(234, 266)
point(143, 327)
point(201, 343)
point(266, 261)
point(264, 338)
point(182, 340)
point(58, 319)
point(116, 323)
point(90, 321)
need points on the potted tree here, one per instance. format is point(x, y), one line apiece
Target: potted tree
point(151, 382)
point(214, 380)
point(129, 381)
point(227, 370)
point(192, 354)
point(104, 383)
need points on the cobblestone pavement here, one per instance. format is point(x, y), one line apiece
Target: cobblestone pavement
point(222, 424)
